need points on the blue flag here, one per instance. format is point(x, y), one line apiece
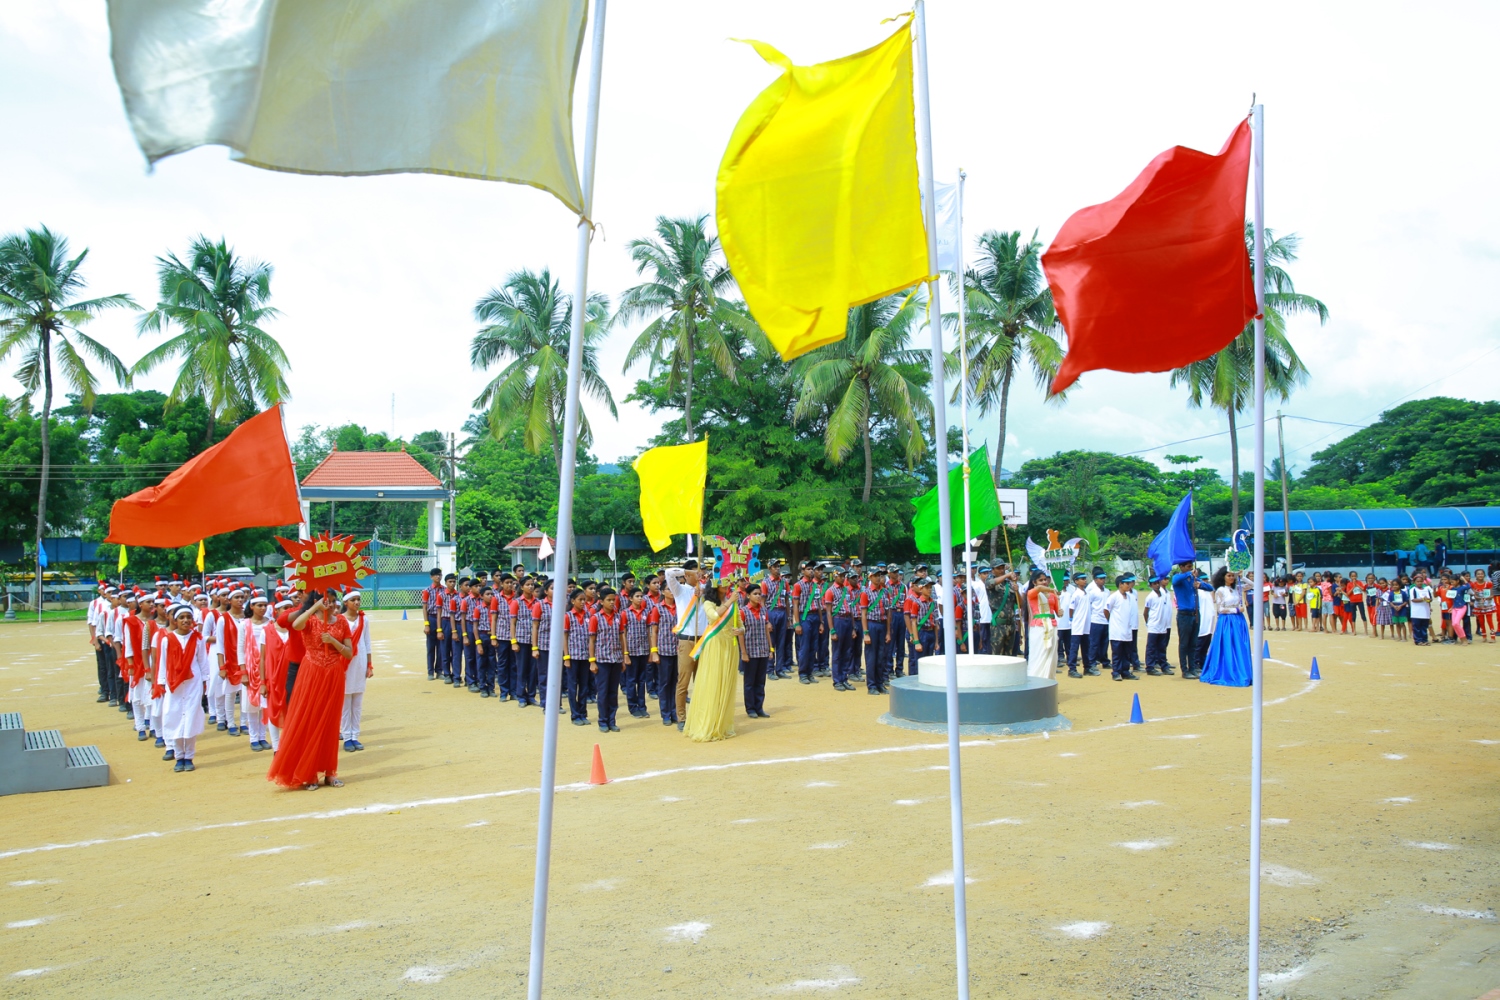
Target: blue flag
point(1175, 543)
point(41, 554)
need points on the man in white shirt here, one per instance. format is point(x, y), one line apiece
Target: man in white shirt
point(1117, 614)
point(1159, 611)
point(1065, 622)
point(96, 613)
point(687, 586)
point(1208, 615)
point(1420, 596)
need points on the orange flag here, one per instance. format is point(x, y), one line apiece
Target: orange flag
point(245, 481)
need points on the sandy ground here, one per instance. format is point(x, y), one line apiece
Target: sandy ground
point(805, 856)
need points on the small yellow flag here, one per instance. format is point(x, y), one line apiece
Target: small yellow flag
point(672, 481)
point(124, 561)
point(819, 206)
point(200, 555)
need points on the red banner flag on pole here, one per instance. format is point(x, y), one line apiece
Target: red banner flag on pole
point(245, 481)
point(1158, 276)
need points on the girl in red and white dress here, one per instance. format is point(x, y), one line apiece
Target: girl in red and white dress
point(252, 655)
point(361, 668)
point(273, 676)
point(158, 656)
point(184, 672)
point(134, 657)
point(231, 674)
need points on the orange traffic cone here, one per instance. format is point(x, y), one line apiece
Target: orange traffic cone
point(596, 777)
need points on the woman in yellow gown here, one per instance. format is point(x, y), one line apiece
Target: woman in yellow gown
point(710, 715)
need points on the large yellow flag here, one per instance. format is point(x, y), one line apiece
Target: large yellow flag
point(476, 88)
point(672, 481)
point(819, 207)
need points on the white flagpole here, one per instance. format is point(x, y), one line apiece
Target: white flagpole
point(945, 507)
point(963, 389)
point(1258, 123)
point(565, 523)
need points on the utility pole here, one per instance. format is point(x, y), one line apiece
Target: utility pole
point(1286, 508)
point(453, 487)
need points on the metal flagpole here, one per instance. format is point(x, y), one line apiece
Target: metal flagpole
point(945, 507)
point(963, 389)
point(1257, 645)
point(564, 549)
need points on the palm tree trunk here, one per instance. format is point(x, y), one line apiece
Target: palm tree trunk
point(1234, 484)
point(687, 410)
point(869, 474)
point(41, 502)
point(1000, 449)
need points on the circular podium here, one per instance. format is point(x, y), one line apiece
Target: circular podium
point(995, 696)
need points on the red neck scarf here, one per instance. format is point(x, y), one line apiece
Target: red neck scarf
point(180, 658)
point(358, 631)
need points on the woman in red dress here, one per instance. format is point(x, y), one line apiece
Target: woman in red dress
point(310, 736)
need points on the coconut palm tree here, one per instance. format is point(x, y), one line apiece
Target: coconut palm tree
point(218, 301)
point(685, 297)
point(1010, 322)
point(868, 378)
point(528, 322)
point(1226, 380)
point(41, 315)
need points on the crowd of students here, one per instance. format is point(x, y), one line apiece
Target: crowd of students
point(184, 659)
point(1446, 607)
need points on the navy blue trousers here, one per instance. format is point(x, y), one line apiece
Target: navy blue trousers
point(607, 692)
point(875, 657)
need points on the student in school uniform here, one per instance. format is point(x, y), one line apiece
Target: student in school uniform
point(875, 603)
point(807, 609)
point(503, 606)
point(606, 659)
point(776, 594)
point(841, 603)
point(664, 649)
point(449, 625)
point(361, 667)
point(520, 645)
point(1099, 640)
point(1158, 627)
point(895, 630)
point(1117, 622)
point(184, 672)
point(1079, 611)
point(134, 658)
point(578, 679)
point(639, 620)
point(431, 600)
point(541, 632)
point(252, 656)
point(484, 640)
point(755, 650)
point(926, 622)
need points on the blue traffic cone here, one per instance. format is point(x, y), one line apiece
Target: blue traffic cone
point(1135, 710)
point(403, 614)
point(1265, 649)
point(1315, 676)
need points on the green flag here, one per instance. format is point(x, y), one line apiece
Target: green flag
point(984, 504)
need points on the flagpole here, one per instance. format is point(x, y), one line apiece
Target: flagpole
point(945, 507)
point(560, 566)
point(1257, 645)
point(963, 390)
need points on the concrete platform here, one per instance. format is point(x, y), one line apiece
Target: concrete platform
point(917, 702)
point(39, 761)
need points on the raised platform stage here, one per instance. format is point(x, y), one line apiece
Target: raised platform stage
point(995, 696)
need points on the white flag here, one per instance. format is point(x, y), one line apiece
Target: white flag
point(690, 543)
point(544, 550)
point(948, 224)
point(611, 546)
point(473, 88)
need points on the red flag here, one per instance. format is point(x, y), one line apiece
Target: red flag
point(1157, 277)
point(245, 481)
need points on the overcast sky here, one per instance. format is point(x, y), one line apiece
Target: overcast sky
point(1380, 153)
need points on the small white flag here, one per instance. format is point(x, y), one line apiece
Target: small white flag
point(690, 544)
point(948, 226)
point(611, 546)
point(544, 550)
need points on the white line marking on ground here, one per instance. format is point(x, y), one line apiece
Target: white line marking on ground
point(28, 973)
point(311, 881)
point(908, 802)
point(1084, 929)
point(1431, 845)
point(33, 922)
point(741, 822)
point(1287, 976)
point(1448, 911)
point(378, 808)
point(832, 845)
point(477, 822)
point(1143, 845)
point(424, 974)
point(603, 885)
point(945, 878)
point(1394, 756)
point(271, 850)
point(1285, 877)
point(1138, 805)
point(1273, 821)
point(840, 977)
point(1401, 800)
point(34, 881)
point(1002, 821)
point(692, 931)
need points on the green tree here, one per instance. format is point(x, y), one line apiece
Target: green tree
point(219, 301)
point(528, 323)
point(41, 315)
point(486, 524)
point(1226, 380)
point(685, 298)
point(867, 379)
